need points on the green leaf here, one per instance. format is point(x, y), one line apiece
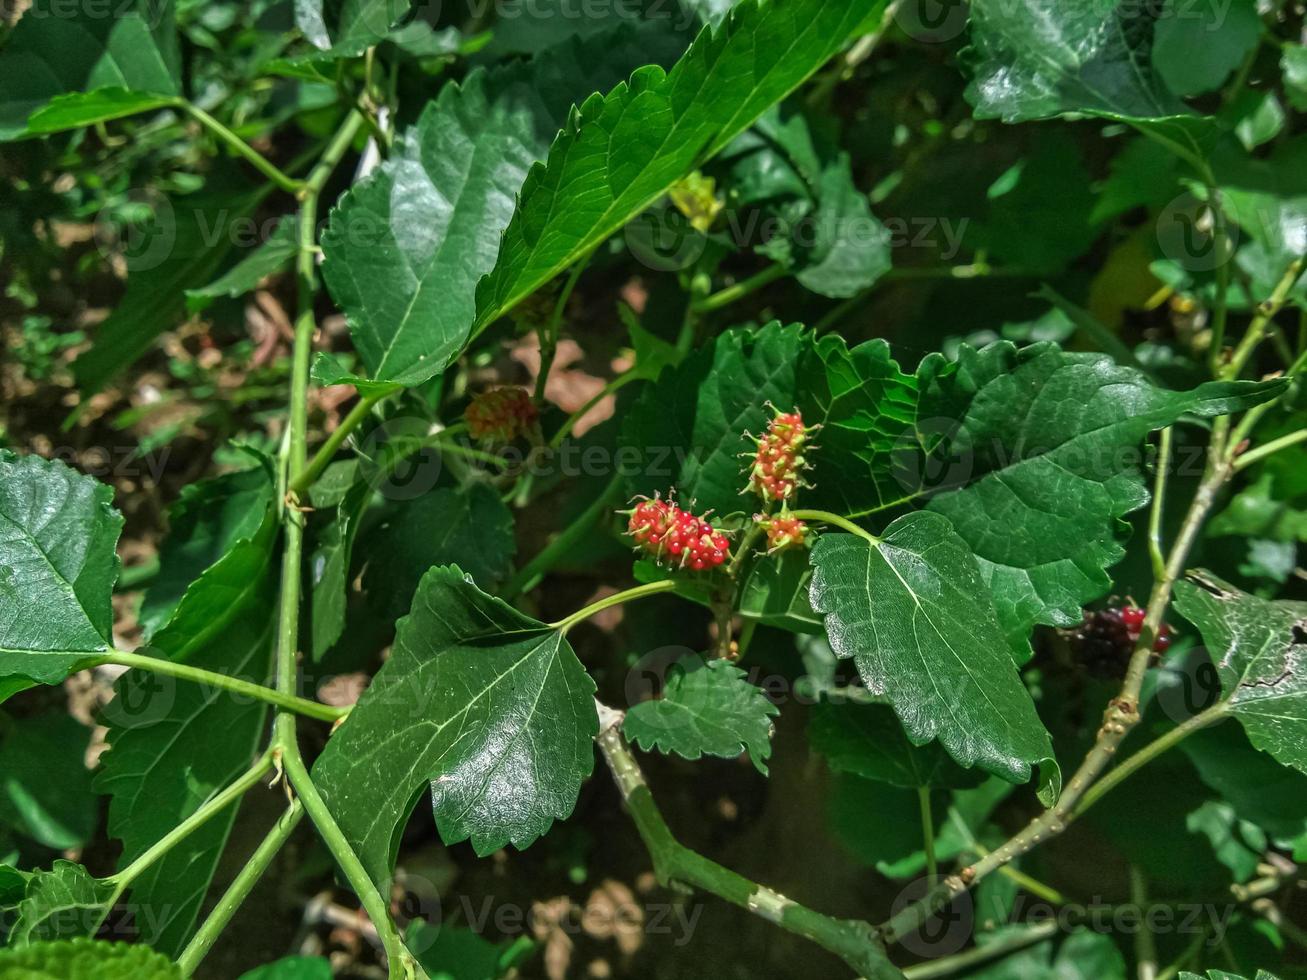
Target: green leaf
point(174, 744)
point(865, 406)
point(1084, 955)
point(1237, 843)
point(56, 49)
point(471, 528)
point(405, 247)
point(868, 741)
point(272, 255)
point(1197, 46)
point(330, 566)
point(1143, 173)
point(621, 152)
point(205, 523)
point(489, 706)
point(707, 707)
point(1256, 511)
point(12, 885)
point(1029, 61)
point(9, 686)
point(327, 371)
point(1039, 461)
point(1268, 200)
point(776, 594)
point(824, 229)
point(691, 429)
point(913, 612)
point(529, 28)
point(851, 249)
point(84, 959)
point(1258, 647)
point(79, 109)
point(347, 28)
point(58, 531)
point(182, 248)
point(62, 903)
point(1039, 210)
point(58, 813)
point(881, 823)
point(1293, 62)
point(1259, 788)
point(447, 952)
point(292, 968)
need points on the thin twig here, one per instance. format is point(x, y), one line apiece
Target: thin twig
point(853, 941)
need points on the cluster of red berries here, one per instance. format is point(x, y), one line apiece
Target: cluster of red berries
point(500, 415)
point(666, 531)
point(1105, 640)
point(775, 473)
point(783, 532)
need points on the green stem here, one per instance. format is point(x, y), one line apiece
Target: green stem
point(1272, 447)
point(1033, 885)
point(843, 523)
point(854, 942)
point(1145, 945)
point(729, 295)
point(225, 682)
point(974, 270)
point(1266, 313)
point(639, 592)
point(232, 899)
point(194, 822)
point(947, 966)
point(137, 576)
point(1217, 713)
point(455, 449)
point(327, 451)
point(928, 832)
point(1186, 959)
point(376, 907)
point(549, 335)
point(534, 570)
point(1220, 313)
point(1155, 550)
point(285, 740)
point(260, 163)
point(619, 382)
point(1255, 414)
point(1028, 882)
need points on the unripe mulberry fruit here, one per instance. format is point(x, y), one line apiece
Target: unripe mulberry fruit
point(676, 536)
point(783, 532)
point(776, 472)
point(500, 415)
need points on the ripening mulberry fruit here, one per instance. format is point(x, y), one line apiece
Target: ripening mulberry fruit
point(1106, 638)
point(776, 473)
point(783, 532)
point(671, 534)
point(500, 415)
